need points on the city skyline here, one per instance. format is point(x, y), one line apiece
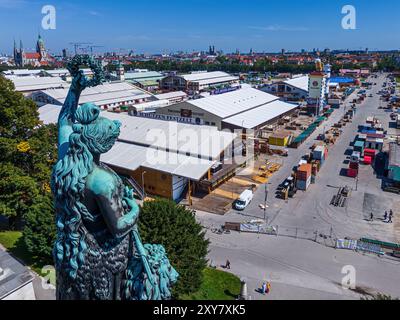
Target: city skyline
point(264, 26)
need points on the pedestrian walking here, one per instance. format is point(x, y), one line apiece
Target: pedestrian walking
point(372, 217)
point(390, 217)
point(263, 288)
point(228, 264)
point(385, 216)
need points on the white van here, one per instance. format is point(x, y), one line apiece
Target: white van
point(244, 200)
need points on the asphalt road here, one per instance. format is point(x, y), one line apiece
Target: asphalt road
point(302, 269)
point(311, 209)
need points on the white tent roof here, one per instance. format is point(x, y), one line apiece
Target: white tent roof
point(300, 82)
point(205, 76)
point(196, 141)
point(231, 103)
point(191, 140)
point(131, 157)
point(106, 93)
point(37, 83)
point(258, 116)
point(171, 95)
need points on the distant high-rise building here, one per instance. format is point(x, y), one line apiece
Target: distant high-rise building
point(64, 53)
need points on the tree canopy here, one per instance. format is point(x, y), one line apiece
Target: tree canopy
point(175, 227)
point(28, 151)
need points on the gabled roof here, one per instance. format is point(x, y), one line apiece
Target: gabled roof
point(201, 76)
point(300, 82)
point(32, 55)
point(260, 115)
point(235, 102)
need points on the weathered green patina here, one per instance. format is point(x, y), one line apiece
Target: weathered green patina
point(98, 251)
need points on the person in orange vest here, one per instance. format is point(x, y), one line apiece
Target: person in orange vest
point(268, 287)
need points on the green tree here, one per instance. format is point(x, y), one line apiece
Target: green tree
point(40, 232)
point(17, 193)
point(27, 154)
point(18, 115)
point(175, 227)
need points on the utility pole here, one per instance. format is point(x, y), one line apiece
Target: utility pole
point(265, 202)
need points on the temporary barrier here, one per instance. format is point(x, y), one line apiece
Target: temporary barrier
point(346, 244)
point(369, 247)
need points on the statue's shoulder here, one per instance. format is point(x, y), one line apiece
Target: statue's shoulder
point(102, 181)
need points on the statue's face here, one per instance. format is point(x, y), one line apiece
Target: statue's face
point(102, 134)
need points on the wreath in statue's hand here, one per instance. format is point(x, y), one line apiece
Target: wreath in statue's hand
point(78, 76)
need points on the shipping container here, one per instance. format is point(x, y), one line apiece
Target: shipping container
point(319, 152)
point(304, 172)
point(367, 160)
point(355, 156)
point(303, 184)
point(354, 165)
point(352, 173)
point(359, 146)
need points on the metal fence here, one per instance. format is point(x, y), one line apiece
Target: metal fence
point(326, 237)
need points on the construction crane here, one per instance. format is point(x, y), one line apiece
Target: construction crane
point(92, 47)
point(78, 44)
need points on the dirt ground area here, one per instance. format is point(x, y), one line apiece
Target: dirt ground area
point(257, 173)
point(295, 126)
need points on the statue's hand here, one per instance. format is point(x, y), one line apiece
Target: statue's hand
point(132, 210)
point(79, 82)
point(128, 193)
point(131, 204)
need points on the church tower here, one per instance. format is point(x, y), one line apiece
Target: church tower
point(120, 72)
point(41, 49)
point(19, 55)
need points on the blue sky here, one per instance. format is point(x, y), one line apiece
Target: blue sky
point(169, 25)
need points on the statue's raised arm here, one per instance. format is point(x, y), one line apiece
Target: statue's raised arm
point(79, 83)
point(98, 252)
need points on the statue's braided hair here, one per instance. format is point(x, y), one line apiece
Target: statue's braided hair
point(91, 135)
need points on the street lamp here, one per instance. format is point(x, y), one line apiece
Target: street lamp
point(265, 202)
point(143, 173)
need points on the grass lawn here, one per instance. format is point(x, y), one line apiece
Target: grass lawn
point(217, 285)
point(13, 242)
